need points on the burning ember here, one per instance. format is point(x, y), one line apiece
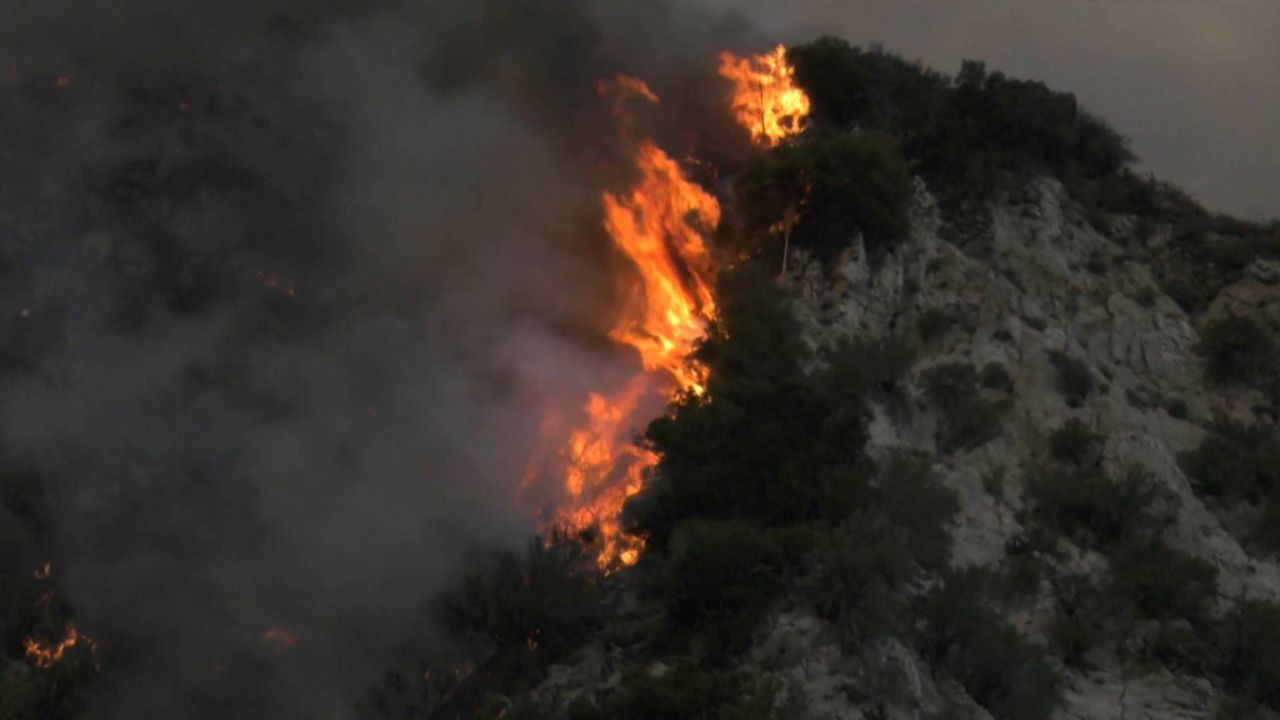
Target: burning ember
point(766, 100)
point(278, 640)
point(47, 656)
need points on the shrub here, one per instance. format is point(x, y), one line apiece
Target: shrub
point(1177, 408)
point(1250, 642)
point(768, 442)
point(965, 136)
point(1091, 508)
point(1160, 583)
point(1075, 443)
point(842, 185)
point(722, 576)
point(1235, 462)
point(528, 608)
point(1266, 536)
point(934, 323)
point(1001, 670)
point(869, 561)
point(967, 420)
point(1236, 350)
point(1147, 297)
point(996, 377)
point(877, 365)
point(1073, 379)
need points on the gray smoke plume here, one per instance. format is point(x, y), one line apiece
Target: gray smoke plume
point(286, 288)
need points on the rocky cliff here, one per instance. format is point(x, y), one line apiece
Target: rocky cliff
point(1065, 325)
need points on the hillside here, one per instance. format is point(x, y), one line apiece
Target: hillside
point(985, 423)
point(1000, 442)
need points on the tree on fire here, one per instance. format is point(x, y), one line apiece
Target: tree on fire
point(841, 185)
point(768, 443)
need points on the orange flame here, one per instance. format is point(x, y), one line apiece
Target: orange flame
point(46, 657)
point(766, 100)
point(659, 224)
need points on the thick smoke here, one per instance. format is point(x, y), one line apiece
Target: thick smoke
point(286, 287)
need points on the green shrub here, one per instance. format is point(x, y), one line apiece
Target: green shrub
point(1001, 670)
point(1155, 581)
point(1236, 350)
point(768, 442)
point(1235, 462)
point(1177, 408)
point(1073, 379)
point(1147, 297)
point(722, 577)
point(1089, 507)
point(934, 323)
point(967, 419)
point(965, 136)
point(1250, 649)
point(877, 365)
point(1266, 536)
point(841, 185)
point(1077, 626)
point(871, 560)
point(996, 377)
point(528, 609)
point(1075, 443)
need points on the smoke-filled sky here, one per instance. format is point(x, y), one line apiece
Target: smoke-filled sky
point(286, 289)
point(286, 285)
point(1194, 83)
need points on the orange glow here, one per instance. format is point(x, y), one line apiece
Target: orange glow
point(46, 657)
point(278, 640)
point(766, 100)
point(659, 224)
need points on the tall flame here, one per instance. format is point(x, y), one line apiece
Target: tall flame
point(659, 224)
point(766, 100)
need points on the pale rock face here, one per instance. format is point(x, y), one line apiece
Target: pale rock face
point(1047, 282)
point(1043, 282)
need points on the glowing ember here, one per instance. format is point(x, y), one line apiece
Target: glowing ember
point(278, 640)
point(48, 656)
point(766, 100)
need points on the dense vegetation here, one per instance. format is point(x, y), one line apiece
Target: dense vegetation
point(839, 186)
point(966, 136)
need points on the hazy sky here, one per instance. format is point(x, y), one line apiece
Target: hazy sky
point(1194, 83)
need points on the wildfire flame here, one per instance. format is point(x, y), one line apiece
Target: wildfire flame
point(47, 656)
point(660, 224)
point(766, 100)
